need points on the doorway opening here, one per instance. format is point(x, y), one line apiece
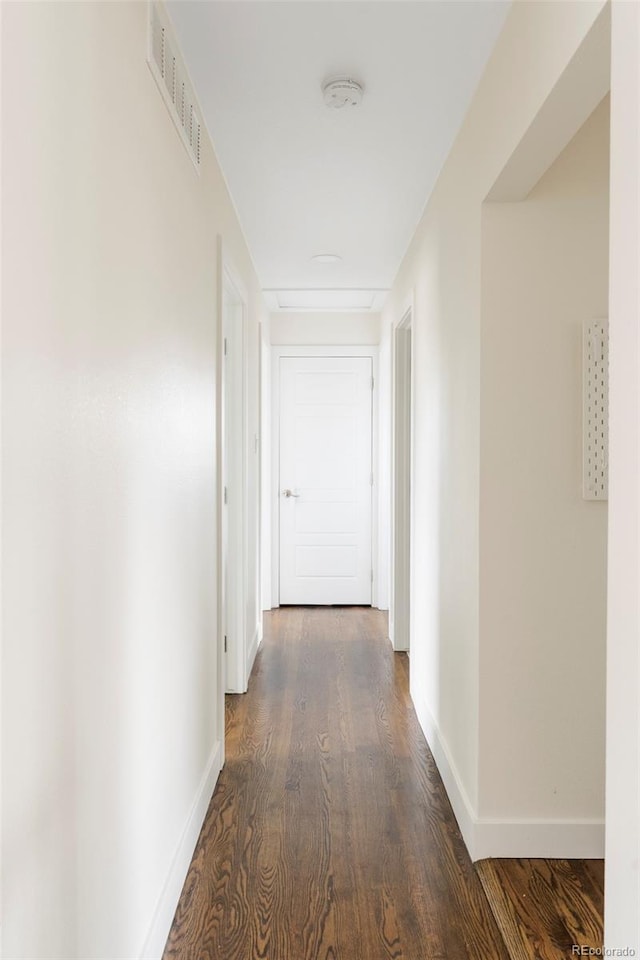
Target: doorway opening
point(402, 511)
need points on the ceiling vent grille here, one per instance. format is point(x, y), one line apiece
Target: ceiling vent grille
point(170, 74)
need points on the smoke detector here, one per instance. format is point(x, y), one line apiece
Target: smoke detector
point(342, 92)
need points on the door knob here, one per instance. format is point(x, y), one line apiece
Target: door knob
point(290, 493)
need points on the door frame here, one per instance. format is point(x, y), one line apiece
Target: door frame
point(300, 351)
point(402, 446)
point(233, 671)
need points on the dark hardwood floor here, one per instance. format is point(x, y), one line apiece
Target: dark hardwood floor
point(330, 835)
point(545, 907)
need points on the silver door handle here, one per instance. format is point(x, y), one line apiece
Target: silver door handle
point(290, 493)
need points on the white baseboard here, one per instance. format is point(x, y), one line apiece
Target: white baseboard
point(166, 908)
point(557, 839)
point(460, 802)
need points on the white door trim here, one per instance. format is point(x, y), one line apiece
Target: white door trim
point(233, 665)
point(316, 351)
point(402, 443)
point(220, 513)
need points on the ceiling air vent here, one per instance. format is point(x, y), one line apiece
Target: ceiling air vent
point(172, 78)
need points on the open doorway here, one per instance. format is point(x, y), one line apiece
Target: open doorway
point(399, 615)
point(543, 539)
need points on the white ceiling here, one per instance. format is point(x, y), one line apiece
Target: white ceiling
point(305, 179)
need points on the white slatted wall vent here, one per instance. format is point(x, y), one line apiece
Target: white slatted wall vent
point(595, 442)
point(173, 82)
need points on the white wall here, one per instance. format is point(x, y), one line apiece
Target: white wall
point(622, 876)
point(542, 547)
point(324, 328)
point(443, 270)
point(1, 473)
point(110, 710)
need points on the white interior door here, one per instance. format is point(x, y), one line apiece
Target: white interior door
point(325, 480)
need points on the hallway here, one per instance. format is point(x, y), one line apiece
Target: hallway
point(330, 834)
point(189, 211)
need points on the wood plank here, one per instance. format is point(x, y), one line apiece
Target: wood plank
point(330, 835)
point(545, 907)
